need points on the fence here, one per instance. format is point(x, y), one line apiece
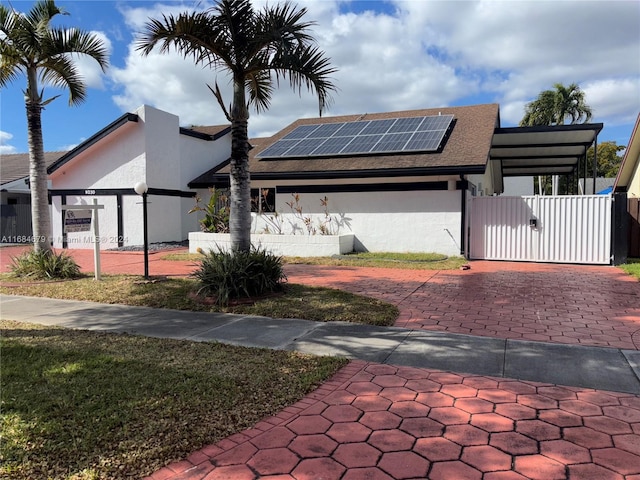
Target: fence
point(15, 223)
point(633, 207)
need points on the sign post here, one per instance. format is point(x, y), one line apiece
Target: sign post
point(80, 218)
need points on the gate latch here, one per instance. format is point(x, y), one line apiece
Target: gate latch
point(533, 222)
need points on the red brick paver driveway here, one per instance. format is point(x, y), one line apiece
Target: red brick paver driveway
point(382, 422)
point(570, 304)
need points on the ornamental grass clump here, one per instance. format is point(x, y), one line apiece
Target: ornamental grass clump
point(233, 275)
point(44, 265)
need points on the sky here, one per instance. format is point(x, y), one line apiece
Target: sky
point(389, 55)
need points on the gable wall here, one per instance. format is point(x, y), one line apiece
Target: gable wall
point(116, 161)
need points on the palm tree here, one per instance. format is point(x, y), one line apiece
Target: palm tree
point(553, 107)
point(30, 46)
point(256, 48)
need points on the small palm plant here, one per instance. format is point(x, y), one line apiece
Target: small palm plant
point(44, 265)
point(232, 275)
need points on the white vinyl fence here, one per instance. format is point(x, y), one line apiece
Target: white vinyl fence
point(560, 229)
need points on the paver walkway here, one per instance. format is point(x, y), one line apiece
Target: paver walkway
point(569, 304)
point(374, 421)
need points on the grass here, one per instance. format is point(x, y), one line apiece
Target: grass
point(632, 267)
point(297, 301)
point(413, 261)
point(85, 406)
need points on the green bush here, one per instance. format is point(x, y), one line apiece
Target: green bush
point(44, 265)
point(230, 275)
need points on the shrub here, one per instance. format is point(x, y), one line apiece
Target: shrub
point(43, 265)
point(229, 275)
point(216, 212)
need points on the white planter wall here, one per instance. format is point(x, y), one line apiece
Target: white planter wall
point(414, 221)
point(289, 245)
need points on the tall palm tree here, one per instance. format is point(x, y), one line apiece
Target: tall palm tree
point(29, 45)
point(554, 107)
point(257, 48)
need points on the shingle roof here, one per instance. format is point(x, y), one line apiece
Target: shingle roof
point(213, 130)
point(466, 150)
point(16, 165)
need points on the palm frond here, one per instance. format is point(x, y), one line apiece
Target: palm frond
point(307, 66)
point(260, 87)
point(218, 95)
point(62, 73)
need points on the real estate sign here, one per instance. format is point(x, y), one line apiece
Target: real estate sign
point(77, 221)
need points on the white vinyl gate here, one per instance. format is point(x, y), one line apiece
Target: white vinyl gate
point(561, 229)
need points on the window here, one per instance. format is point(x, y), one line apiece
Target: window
point(263, 200)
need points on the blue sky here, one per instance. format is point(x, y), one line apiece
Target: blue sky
point(395, 55)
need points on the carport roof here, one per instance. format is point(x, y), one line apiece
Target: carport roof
point(542, 150)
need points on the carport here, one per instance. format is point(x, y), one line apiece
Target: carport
point(544, 150)
point(560, 228)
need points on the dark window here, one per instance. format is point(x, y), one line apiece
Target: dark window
point(263, 200)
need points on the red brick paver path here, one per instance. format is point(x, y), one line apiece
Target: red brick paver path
point(375, 421)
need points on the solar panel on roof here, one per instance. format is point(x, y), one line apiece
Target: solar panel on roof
point(390, 135)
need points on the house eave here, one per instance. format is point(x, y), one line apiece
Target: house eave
point(223, 178)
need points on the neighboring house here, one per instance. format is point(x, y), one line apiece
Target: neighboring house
point(604, 185)
point(518, 186)
point(147, 145)
point(628, 181)
point(15, 196)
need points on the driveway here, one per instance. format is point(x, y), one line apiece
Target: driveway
point(557, 303)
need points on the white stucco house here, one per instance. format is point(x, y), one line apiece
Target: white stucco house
point(146, 145)
point(394, 181)
point(391, 199)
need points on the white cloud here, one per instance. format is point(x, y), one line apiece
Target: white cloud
point(5, 148)
point(609, 99)
point(423, 54)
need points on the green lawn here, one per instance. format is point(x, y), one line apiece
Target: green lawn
point(85, 405)
point(297, 301)
point(632, 267)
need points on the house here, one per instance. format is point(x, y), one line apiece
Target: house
point(15, 196)
point(395, 181)
point(401, 181)
point(628, 179)
point(146, 145)
point(392, 194)
point(628, 182)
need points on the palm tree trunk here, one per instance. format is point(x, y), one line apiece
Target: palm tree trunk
point(40, 213)
point(240, 181)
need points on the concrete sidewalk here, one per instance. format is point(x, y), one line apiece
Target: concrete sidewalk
point(571, 365)
point(413, 405)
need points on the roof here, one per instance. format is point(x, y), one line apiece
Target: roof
point(602, 184)
point(208, 133)
point(542, 150)
point(465, 151)
point(215, 131)
point(629, 161)
point(16, 165)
